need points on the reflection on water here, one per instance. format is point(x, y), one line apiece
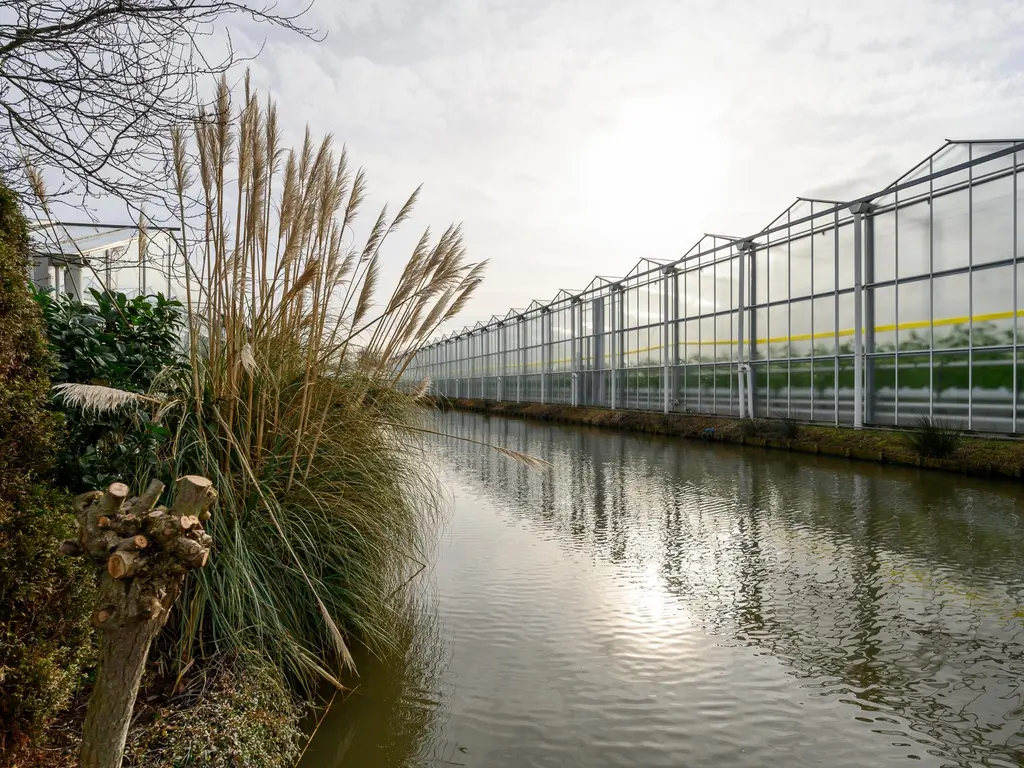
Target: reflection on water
point(397, 709)
point(653, 602)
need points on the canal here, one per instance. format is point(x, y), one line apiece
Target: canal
point(651, 602)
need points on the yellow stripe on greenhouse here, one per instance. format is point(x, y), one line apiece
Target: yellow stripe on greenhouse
point(908, 326)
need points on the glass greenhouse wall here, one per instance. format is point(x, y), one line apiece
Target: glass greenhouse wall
point(78, 258)
point(897, 305)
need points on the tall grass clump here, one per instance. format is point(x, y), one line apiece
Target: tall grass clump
point(290, 401)
point(934, 438)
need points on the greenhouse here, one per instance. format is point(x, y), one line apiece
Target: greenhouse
point(874, 311)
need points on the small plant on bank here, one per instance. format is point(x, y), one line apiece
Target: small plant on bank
point(934, 438)
point(751, 427)
point(786, 427)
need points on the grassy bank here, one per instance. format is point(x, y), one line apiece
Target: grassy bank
point(976, 456)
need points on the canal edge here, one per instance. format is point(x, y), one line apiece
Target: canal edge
point(979, 457)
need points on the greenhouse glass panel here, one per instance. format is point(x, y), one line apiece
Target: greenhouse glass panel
point(992, 221)
point(952, 296)
point(951, 230)
point(824, 326)
point(884, 226)
point(801, 328)
point(992, 290)
point(992, 391)
point(884, 300)
point(951, 386)
point(778, 272)
point(800, 267)
point(914, 318)
point(913, 240)
point(824, 268)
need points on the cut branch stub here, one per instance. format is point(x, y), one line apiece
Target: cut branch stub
point(195, 496)
point(112, 500)
point(121, 565)
point(143, 552)
point(149, 498)
point(133, 543)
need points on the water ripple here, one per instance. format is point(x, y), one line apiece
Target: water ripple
point(656, 603)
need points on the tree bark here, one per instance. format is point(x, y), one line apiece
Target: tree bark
point(143, 554)
point(123, 654)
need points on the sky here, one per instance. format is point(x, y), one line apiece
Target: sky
point(574, 137)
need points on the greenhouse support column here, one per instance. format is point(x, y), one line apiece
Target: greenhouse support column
point(502, 367)
point(666, 338)
point(484, 363)
point(522, 358)
point(613, 308)
point(488, 366)
point(581, 388)
point(457, 354)
point(869, 319)
point(573, 344)
point(858, 210)
point(742, 248)
point(454, 366)
point(620, 344)
point(674, 371)
point(751, 351)
point(435, 379)
point(447, 367)
point(545, 352)
point(598, 346)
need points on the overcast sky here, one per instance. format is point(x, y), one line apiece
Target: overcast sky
point(572, 137)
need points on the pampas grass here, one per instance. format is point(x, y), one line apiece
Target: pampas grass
point(291, 403)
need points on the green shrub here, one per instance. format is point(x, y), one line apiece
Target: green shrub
point(243, 716)
point(118, 342)
point(45, 601)
point(44, 598)
point(27, 428)
point(934, 438)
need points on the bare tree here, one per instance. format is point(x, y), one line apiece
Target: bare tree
point(89, 89)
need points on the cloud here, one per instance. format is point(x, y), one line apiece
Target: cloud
point(575, 136)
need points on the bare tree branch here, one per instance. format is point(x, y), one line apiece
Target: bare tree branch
point(89, 89)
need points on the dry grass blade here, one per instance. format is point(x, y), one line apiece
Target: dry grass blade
point(526, 459)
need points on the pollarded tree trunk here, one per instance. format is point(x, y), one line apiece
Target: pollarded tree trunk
point(145, 552)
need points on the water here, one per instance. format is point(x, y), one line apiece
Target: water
point(650, 602)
